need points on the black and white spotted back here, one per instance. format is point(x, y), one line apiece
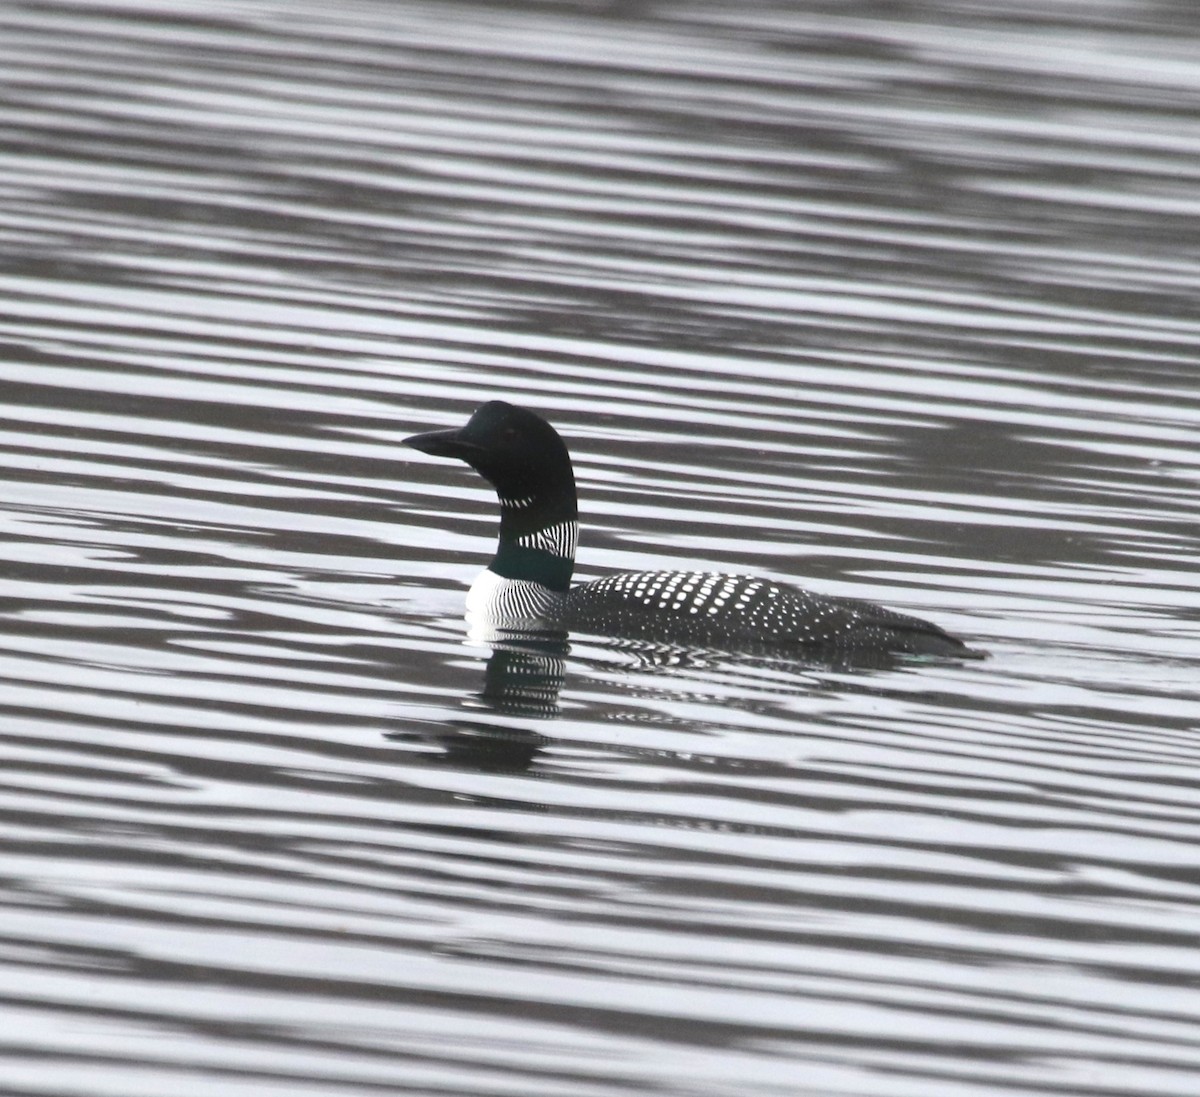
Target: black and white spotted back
point(692, 607)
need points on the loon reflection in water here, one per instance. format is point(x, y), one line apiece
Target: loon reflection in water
point(527, 586)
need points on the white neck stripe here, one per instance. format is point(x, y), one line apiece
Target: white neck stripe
point(562, 539)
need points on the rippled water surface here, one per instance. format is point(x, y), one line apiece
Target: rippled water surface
point(896, 302)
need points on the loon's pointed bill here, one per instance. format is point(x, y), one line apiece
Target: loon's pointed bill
point(442, 443)
point(529, 580)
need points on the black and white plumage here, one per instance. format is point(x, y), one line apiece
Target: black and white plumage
point(528, 583)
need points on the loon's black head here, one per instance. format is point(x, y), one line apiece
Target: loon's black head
point(524, 459)
point(516, 451)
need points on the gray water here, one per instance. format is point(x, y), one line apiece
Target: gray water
point(890, 301)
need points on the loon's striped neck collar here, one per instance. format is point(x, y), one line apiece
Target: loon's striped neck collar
point(538, 537)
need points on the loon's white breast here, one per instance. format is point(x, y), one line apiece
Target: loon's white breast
point(495, 600)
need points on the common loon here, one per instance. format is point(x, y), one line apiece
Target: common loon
point(529, 580)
